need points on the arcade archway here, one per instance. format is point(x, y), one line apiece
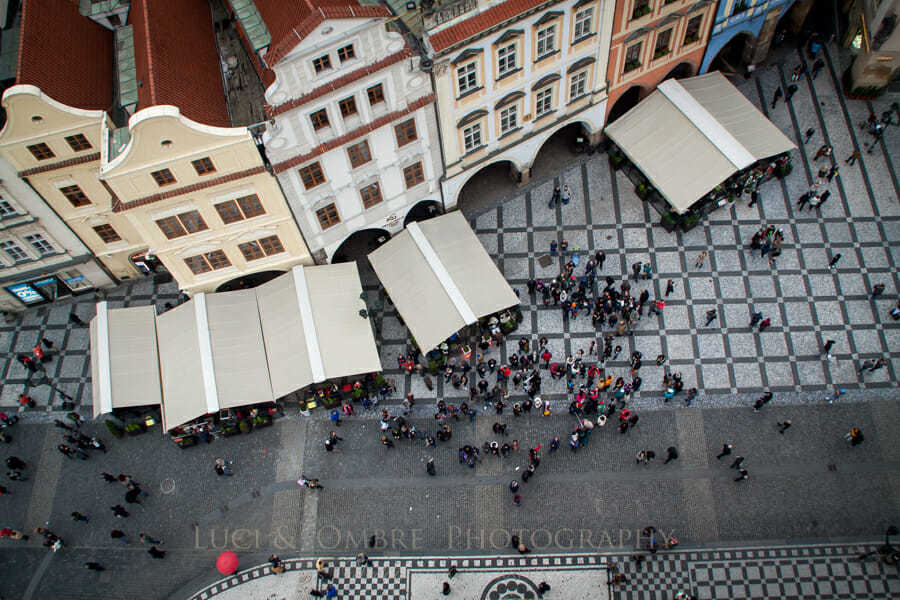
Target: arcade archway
point(488, 187)
point(422, 211)
point(733, 57)
point(359, 244)
point(681, 71)
point(246, 282)
point(626, 102)
point(556, 152)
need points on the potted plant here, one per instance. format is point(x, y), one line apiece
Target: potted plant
point(617, 159)
point(133, 429)
point(784, 170)
point(690, 221)
point(230, 429)
point(641, 190)
point(631, 65)
point(690, 39)
point(660, 52)
point(262, 421)
point(245, 426)
point(640, 11)
point(114, 429)
point(669, 221)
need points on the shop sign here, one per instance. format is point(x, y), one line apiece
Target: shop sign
point(26, 293)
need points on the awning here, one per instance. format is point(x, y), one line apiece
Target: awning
point(690, 135)
point(124, 358)
point(313, 329)
point(440, 278)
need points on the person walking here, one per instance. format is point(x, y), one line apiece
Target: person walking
point(119, 511)
point(93, 566)
point(755, 317)
point(817, 66)
point(701, 258)
point(146, 539)
point(783, 426)
point(156, 553)
point(76, 320)
point(77, 516)
point(554, 197)
point(670, 287)
point(877, 290)
point(671, 454)
point(809, 133)
point(118, 534)
point(738, 463)
point(778, 94)
point(726, 450)
point(853, 157)
point(711, 315)
point(429, 467)
point(566, 195)
point(742, 475)
point(826, 350)
point(825, 196)
point(834, 260)
point(335, 417)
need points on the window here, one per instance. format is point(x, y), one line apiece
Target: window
point(182, 224)
point(328, 216)
point(266, 246)
point(206, 262)
point(371, 195)
point(375, 94)
point(543, 102)
point(163, 177)
point(38, 242)
point(345, 53)
point(641, 8)
point(107, 233)
point(242, 208)
point(472, 137)
point(6, 209)
point(578, 85)
point(41, 151)
point(506, 59)
point(739, 7)
point(509, 118)
point(319, 119)
point(74, 194)
point(323, 63)
point(359, 153)
point(546, 41)
point(78, 142)
point(203, 166)
point(348, 106)
point(662, 43)
point(466, 77)
point(633, 57)
point(312, 175)
point(406, 132)
point(583, 21)
point(413, 174)
point(13, 251)
point(692, 32)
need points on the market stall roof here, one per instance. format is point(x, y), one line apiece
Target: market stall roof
point(440, 278)
point(124, 358)
point(690, 135)
point(312, 326)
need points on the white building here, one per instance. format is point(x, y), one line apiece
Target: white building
point(41, 260)
point(509, 74)
point(352, 135)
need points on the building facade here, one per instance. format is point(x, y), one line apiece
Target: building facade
point(202, 198)
point(755, 21)
point(41, 259)
point(508, 75)
point(351, 135)
point(652, 41)
point(875, 37)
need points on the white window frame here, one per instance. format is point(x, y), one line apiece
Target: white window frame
point(12, 249)
point(583, 21)
point(543, 102)
point(40, 243)
point(509, 118)
point(471, 135)
point(546, 36)
point(506, 59)
point(7, 209)
point(578, 85)
point(467, 77)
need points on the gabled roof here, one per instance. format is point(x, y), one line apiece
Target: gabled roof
point(482, 22)
point(289, 21)
point(176, 58)
point(66, 55)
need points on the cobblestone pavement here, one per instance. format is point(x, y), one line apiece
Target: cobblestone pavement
point(796, 572)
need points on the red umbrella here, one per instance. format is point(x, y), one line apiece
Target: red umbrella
point(227, 563)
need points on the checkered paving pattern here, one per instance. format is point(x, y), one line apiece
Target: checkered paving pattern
point(68, 371)
point(797, 572)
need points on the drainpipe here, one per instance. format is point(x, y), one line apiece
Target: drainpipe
point(440, 135)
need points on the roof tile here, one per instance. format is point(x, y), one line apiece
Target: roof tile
point(483, 21)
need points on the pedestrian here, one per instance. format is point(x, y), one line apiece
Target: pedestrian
point(75, 320)
point(109, 478)
point(671, 454)
point(783, 426)
point(146, 539)
point(765, 324)
point(222, 467)
point(726, 450)
point(429, 467)
point(809, 133)
point(566, 194)
point(738, 463)
point(817, 66)
point(711, 315)
point(701, 258)
point(513, 486)
point(445, 588)
point(553, 246)
point(119, 511)
point(29, 363)
point(879, 363)
point(452, 571)
point(877, 290)
point(16, 463)
point(156, 552)
point(118, 534)
point(93, 566)
point(385, 441)
point(755, 317)
point(335, 416)
point(777, 96)
point(754, 197)
point(853, 157)
point(803, 200)
point(670, 287)
point(77, 516)
point(826, 350)
point(47, 343)
point(554, 198)
point(39, 354)
point(825, 196)
point(834, 260)
point(791, 90)
point(543, 588)
point(742, 475)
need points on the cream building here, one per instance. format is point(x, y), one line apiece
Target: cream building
point(202, 199)
point(507, 75)
point(41, 259)
point(352, 135)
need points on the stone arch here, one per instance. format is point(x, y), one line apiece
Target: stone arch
point(249, 280)
point(680, 71)
point(422, 210)
point(493, 175)
point(358, 244)
point(733, 53)
point(560, 142)
point(625, 102)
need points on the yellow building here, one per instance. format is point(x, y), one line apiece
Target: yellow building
point(202, 199)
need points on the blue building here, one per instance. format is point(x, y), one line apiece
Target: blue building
point(743, 31)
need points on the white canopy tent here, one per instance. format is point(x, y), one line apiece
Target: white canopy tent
point(440, 278)
point(232, 349)
point(124, 358)
point(690, 135)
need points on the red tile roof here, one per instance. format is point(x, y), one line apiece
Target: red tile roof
point(483, 21)
point(289, 21)
point(177, 60)
point(340, 82)
point(69, 57)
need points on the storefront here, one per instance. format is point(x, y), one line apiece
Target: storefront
point(34, 288)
